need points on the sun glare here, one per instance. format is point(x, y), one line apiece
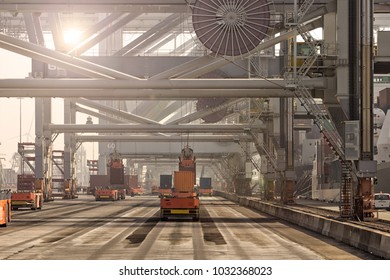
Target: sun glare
point(72, 36)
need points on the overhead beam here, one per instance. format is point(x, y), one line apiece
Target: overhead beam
point(90, 42)
point(56, 31)
point(160, 33)
point(148, 138)
point(166, 113)
point(147, 6)
point(165, 156)
point(146, 35)
point(34, 29)
point(98, 115)
point(126, 128)
point(208, 84)
point(59, 59)
point(161, 43)
point(87, 34)
point(120, 114)
point(104, 6)
point(206, 112)
point(151, 94)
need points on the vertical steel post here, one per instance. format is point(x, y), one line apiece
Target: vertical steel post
point(367, 166)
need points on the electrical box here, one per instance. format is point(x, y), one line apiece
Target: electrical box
point(383, 43)
point(352, 140)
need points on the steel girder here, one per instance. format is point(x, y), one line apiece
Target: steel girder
point(126, 128)
point(208, 84)
point(172, 138)
point(145, 94)
point(107, 109)
point(89, 42)
point(69, 62)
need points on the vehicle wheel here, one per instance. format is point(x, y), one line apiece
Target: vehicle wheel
point(162, 217)
point(7, 217)
point(9, 212)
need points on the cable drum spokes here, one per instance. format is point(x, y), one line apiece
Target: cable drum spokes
point(231, 27)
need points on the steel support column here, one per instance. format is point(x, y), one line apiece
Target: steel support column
point(287, 130)
point(364, 198)
point(69, 148)
point(39, 139)
point(43, 148)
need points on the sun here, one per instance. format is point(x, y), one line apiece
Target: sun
point(72, 36)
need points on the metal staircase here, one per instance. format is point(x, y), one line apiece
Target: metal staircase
point(346, 203)
point(263, 150)
point(260, 146)
point(305, 6)
point(303, 184)
point(248, 155)
point(320, 115)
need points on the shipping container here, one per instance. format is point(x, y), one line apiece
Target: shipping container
point(96, 181)
point(184, 181)
point(205, 182)
point(117, 176)
point(165, 181)
point(26, 182)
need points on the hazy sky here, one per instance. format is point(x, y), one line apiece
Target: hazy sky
point(16, 66)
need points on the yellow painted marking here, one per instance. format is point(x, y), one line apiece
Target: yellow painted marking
point(180, 211)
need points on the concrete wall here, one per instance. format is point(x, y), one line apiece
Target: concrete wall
point(369, 240)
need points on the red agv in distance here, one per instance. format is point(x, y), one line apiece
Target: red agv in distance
point(5, 207)
point(106, 194)
point(115, 188)
point(205, 187)
point(27, 194)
